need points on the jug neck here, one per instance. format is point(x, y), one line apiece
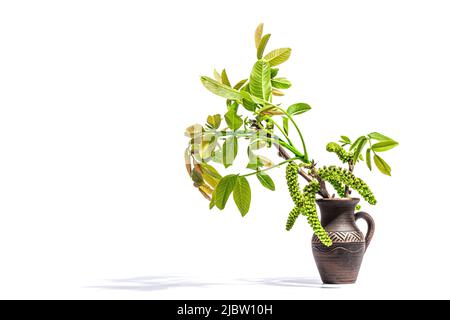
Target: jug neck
point(337, 209)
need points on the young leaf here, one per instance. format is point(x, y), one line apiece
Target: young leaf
point(258, 34)
point(257, 142)
point(214, 121)
point(358, 149)
point(281, 83)
point(197, 177)
point(270, 110)
point(212, 202)
point(346, 139)
point(356, 143)
point(384, 145)
point(217, 76)
point(277, 56)
point(207, 146)
point(260, 83)
point(298, 108)
point(224, 190)
point(286, 125)
point(266, 162)
point(368, 159)
point(274, 72)
point(277, 92)
point(262, 46)
point(209, 169)
point(194, 131)
point(379, 136)
point(266, 180)
point(224, 78)
point(233, 121)
point(382, 165)
point(220, 89)
point(229, 151)
point(242, 195)
point(240, 84)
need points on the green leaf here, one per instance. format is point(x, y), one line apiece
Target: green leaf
point(233, 121)
point(214, 121)
point(356, 143)
point(224, 78)
point(224, 190)
point(384, 145)
point(359, 148)
point(274, 72)
point(249, 97)
point(217, 156)
point(286, 125)
point(382, 165)
point(207, 168)
point(266, 180)
point(258, 34)
point(379, 136)
point(220, 89)
point(260, 83)
point(277, 56)
point(233, 106)
point(212, 203)
point(249, 105)
point(240, 84)
point(242, 195)
point(262, 46)
point(281, 83)
point(346, 139)
point(368, 159)
point(298, 108)
point(229, 151)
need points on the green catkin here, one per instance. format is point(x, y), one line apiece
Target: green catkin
point(292, 182)
point(358, 207)
point(337, 185)
point(309, 210)
point(305, 204)
point(343, 155)
point(347, 178)
point(293, 215)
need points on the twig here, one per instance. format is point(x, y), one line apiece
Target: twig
point(323, 190)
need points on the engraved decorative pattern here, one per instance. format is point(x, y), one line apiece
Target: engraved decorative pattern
point(342, 237)
point(328, 251)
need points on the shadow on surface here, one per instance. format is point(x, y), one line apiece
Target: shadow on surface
point(300, 282)
point(154, 283)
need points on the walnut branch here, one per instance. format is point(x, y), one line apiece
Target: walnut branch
point(323, 190)
point(351, 167)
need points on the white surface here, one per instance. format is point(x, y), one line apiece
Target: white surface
point(94, 99)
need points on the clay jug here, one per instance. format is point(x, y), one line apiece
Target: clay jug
point(340, 263)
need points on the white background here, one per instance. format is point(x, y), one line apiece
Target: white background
point(94, 100)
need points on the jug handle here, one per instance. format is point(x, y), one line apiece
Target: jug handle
point(370, 225)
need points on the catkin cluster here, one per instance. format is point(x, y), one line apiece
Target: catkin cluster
point(343, 155)
point(305, 204)
point(347, 178)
